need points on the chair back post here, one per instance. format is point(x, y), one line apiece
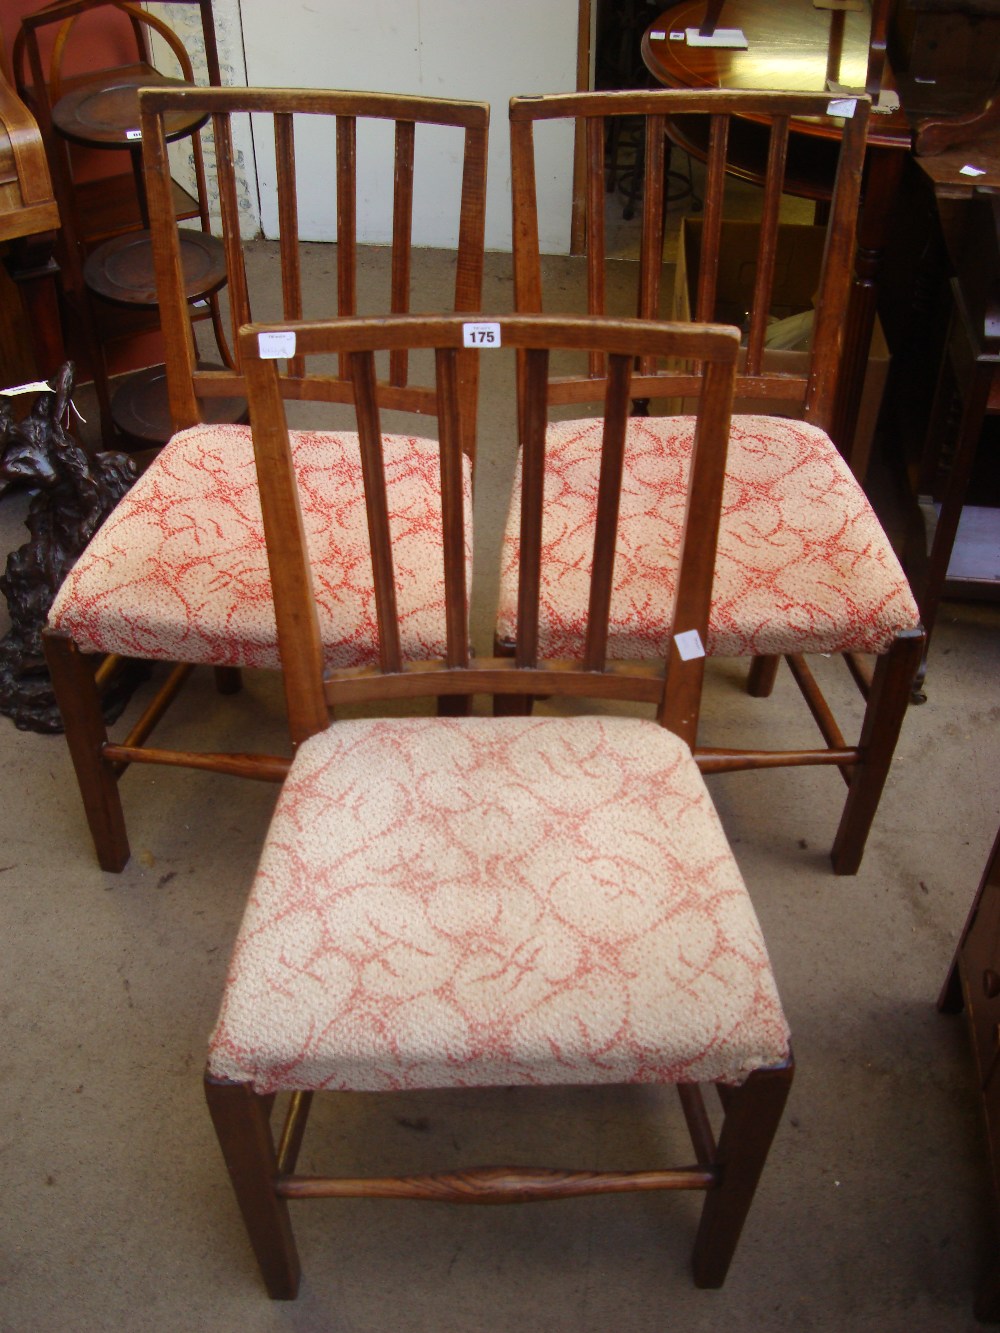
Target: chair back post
point(362, 374)
point(524, 202)
point(681, 701)
point(175, 319)
point(347, 190)
point(288, 225)
point(533, 376)
point(833, 298)
point(284, 532)
point(711, 229)
point(767, 255)
point(453, 404)
point(229, 210)
point(402, 226)
point(617, 403)
point(526, 253)
point(596, 251)
point(469, 268)
point(651, 249)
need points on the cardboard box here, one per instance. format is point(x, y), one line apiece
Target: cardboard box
point(797, 266)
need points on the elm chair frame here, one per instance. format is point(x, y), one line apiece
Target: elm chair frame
point(810, 395)
point(79, 678)
point(263, 1165)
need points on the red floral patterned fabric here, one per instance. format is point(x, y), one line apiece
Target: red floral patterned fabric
point(479, 901)
point(803, 564)
point(179, 571)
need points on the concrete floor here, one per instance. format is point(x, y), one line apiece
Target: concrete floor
point(874, 1212)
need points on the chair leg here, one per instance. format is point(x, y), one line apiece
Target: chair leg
point(752, 1114)
point(888, 700)
point(242, 1123)
point(512, 705)
point(509, 705)
point(228, 680)
point(79, 702)
point(760, 679)
point(454, 705)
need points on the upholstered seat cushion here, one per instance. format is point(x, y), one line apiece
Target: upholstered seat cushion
point(803, 564)
point(179, 570)
point(479, 901)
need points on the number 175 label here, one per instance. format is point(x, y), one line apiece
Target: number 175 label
point(481, 335)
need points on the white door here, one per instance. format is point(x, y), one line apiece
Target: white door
point(480, 50)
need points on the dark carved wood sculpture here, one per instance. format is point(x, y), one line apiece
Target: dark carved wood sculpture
point(71, 493)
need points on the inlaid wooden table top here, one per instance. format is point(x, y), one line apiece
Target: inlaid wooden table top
point(788, 48)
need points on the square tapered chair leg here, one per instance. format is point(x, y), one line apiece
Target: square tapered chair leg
point(752, 1114)
point(243, 1125)
point(78, 696)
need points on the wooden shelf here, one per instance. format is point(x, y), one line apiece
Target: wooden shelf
point(108, 207)
point(102, 111)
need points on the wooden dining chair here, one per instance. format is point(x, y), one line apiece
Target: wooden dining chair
point(178, 573)
point(467, 902)
point(804, 566)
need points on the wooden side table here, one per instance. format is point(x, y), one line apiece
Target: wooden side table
point(974, 982)
point(106, 253)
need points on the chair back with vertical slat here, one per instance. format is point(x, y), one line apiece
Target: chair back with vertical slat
point(334, 119)
point(714, 125)
point(674, 685)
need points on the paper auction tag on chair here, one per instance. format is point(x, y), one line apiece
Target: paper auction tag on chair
point(276, 346)
point(36, 386)
point(689, 645)
point(133, 134)
point(480, 335)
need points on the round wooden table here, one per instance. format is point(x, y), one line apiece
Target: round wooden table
point(794, 47)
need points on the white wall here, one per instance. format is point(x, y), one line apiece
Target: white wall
point(185, 20)
point(480, 50)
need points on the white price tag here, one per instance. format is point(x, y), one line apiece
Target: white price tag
point(481, 335)
point(133, 134)
point(969, 170)
point(677, 36)
point(657, 36)
point(275, 346)
point(732, 38)
point(689, 645)
point(36, 386)
point(842, 106)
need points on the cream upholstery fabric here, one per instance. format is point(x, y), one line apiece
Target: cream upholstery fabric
point(803, 564)
point(179, 571)
point(478, 901)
